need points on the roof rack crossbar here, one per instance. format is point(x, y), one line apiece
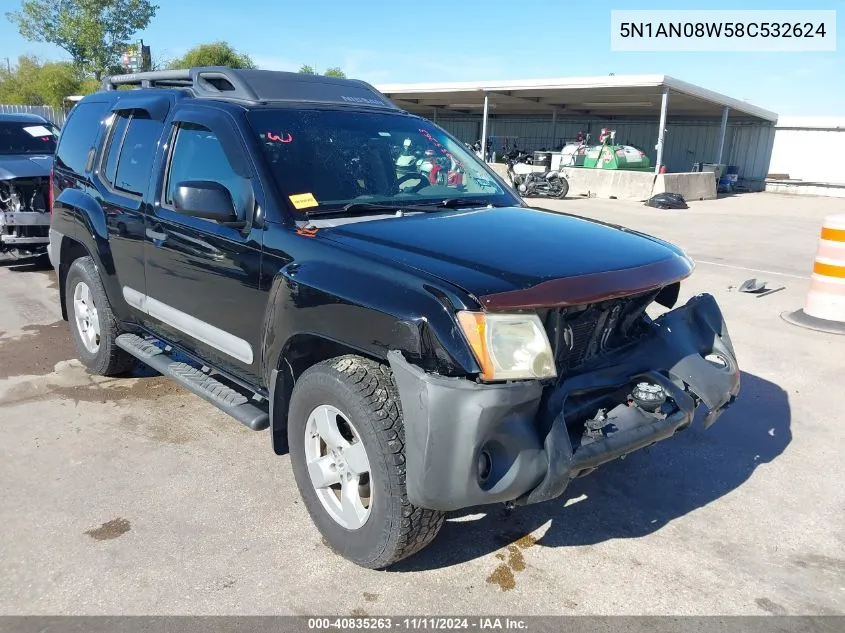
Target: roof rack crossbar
point(145, 80)
point(206, 81)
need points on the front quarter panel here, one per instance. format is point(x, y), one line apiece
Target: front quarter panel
point(361, 303)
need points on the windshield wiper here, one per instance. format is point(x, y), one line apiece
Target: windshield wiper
point(376, 207)
point(362, 208)
point(454, 203)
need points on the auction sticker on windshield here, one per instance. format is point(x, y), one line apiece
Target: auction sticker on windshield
point(303, 200)
point(38, 130)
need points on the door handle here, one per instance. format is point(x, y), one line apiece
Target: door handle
point(157, 238)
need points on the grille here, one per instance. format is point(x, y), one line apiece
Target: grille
point(579, 334)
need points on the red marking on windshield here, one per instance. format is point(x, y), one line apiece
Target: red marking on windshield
point(445, 151)
point(274, 137)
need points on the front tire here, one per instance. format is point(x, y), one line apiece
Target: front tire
point(564, 188)
point(347, 450)
point(92, 321)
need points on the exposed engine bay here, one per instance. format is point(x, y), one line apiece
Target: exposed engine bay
point(580, 336)
point(24, 215)
point(24, 194)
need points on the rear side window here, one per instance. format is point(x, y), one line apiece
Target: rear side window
point(118, 129)
point(136, 154)
point(79, 135)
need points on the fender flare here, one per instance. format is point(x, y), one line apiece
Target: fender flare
point(410, 314)
point(415, 318)
point(90, 232)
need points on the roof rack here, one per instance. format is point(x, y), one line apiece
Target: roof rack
point(203, 81)
point(256, 86)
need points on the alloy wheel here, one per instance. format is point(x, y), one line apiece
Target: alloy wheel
point(86, 317)
point(338, 466)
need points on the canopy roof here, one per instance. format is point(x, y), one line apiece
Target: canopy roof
point(629, 96)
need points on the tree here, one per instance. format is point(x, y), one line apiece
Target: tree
point(335, 71)
point(17, 85)
point(87, 86)
point(213, 54)
point(94, 32)
point(57, 80)
point(31, 82)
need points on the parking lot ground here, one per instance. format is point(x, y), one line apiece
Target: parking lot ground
point(132, 496)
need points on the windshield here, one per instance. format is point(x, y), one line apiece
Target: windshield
point(323, 159)
point(27, 137)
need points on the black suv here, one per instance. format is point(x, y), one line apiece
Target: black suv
point(308, 257)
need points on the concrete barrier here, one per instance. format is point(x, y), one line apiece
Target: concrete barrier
point(631, 185)
point(801, 188)
point(692, 185)
point(609, 183)
point(501, 169)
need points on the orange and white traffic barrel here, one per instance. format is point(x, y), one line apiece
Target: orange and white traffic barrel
point(824, 308)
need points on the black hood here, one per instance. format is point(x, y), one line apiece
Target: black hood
point(490, 251)
point(25, 165)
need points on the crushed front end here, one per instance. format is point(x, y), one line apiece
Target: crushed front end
point(24, 215)
point(623, 382)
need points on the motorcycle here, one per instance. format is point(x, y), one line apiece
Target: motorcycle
point(518, 156)
point(532, 184)
point(438, 169)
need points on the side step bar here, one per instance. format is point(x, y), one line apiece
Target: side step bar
point(228, 400)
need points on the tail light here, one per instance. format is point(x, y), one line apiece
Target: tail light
point(52, 198)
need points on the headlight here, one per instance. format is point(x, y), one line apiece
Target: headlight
point(508, 346)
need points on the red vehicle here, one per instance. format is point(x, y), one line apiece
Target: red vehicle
point(441, 169)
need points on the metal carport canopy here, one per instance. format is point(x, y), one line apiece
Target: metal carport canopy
point(612, 96)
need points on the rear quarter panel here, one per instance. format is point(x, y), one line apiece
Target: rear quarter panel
point(80, 218)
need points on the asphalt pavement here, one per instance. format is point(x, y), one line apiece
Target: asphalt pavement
point(132, 496)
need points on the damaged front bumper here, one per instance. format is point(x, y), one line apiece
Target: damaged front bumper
point(471, 444)
point(24, 229)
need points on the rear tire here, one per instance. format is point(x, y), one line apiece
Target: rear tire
point(92, 322)
point(360, 399)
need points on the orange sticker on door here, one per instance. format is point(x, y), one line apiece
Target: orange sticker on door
point(303, 200)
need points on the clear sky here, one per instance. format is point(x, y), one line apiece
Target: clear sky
point(446, 40)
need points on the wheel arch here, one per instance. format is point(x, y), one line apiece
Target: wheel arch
point(69, 251)
point(316, 311)
point(301, 351)
point(89, 225)
point(82, 223)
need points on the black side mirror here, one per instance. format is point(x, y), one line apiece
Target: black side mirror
point(205, 199)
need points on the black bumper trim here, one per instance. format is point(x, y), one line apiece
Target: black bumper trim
point(448, 421)
point(565, 465)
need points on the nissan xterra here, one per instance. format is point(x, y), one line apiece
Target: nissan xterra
point(418, 345)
